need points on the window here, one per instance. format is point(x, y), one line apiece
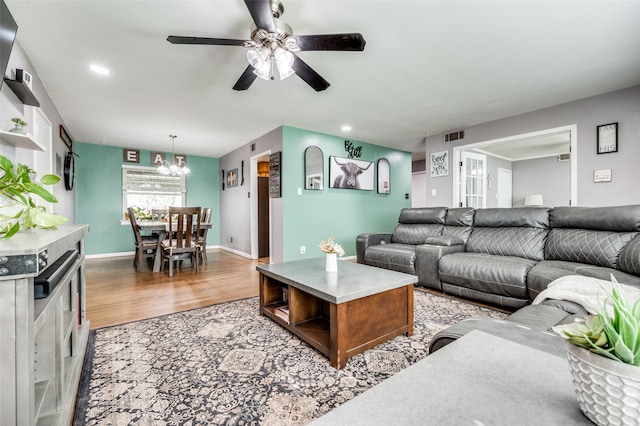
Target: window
point(143, 187)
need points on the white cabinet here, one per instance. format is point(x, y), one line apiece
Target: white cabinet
point(43, 341)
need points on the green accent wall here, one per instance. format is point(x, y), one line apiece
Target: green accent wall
point(99, 195)
point(343, 213)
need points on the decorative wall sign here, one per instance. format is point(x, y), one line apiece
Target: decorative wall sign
point(157, 158)
point(352, 150)
point(131, 155)
point(607, 138)
point(66, 138)
point(275, 174)
point(602, 175)
point(439, 163)
point(384, 171)
point(232, 178)
point(346, 173)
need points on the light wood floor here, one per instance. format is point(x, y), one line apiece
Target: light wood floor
point(117, 294)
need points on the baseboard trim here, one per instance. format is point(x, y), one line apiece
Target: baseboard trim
point(124, 253)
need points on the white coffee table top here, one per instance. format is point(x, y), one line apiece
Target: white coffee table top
point(480, 379)
point(352, 280)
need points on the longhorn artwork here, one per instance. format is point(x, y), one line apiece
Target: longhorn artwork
point(348, 173)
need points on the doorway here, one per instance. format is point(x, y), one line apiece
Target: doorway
point(260, 208)
point(505, 186)
point(519, 143)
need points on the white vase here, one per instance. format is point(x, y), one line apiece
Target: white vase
point(331, 262)
point(608, 391)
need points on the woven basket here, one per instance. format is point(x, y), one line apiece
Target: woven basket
point(608, 391)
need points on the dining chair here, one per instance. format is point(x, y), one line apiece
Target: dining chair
point(146, 246)
point(201, 238)
point(180, 243)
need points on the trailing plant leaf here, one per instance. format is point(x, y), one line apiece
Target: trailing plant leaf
point(19, 189)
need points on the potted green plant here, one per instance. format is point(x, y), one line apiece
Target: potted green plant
point(604, 358)
point(19, 209)
point(19, 123)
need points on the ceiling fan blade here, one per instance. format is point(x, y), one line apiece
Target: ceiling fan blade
point(262, 15)
point(205, 40)
point(347, 41)
point(246, 79)
point(307, 73)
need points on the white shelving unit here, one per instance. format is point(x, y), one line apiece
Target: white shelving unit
point(43, 340)
point(21, 141)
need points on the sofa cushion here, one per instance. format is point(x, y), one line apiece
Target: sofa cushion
point(549, 270)
point(629, 259)
point(508, 241)
point(397, 257)
point(533, 217)
point(600, 248)
point(423, 215)
point(414, 233)
point(502, 275)
point(617, 219)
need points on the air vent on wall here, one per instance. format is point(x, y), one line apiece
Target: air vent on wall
point(454, 136)
point(564, 157)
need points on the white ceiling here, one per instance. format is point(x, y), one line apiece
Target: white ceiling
point(428, 67)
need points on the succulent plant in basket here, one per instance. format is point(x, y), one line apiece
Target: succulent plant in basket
point(615, 336)
point(607, 385)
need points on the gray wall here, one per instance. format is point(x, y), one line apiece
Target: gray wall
point(11, 106)
point(235, 202)
point(622, 106)
point(546, 176)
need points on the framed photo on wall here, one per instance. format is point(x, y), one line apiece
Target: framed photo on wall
point(607, 138)
point(347, 173)
point(232, 178)
point(439, 163)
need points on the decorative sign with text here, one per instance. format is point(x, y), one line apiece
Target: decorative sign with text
point(275, 174)
point(352, 150)
point(131, 155)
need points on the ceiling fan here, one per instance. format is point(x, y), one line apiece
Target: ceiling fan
point(272, 46)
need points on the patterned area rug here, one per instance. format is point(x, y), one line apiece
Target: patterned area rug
point(225, 364)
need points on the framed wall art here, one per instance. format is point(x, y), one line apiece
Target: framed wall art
point(347, 173)
point(232, 178)
point(439, 163)
point(607, 138)
point(66, 138)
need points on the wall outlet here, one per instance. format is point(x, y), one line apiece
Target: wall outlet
point(230, 239)
point(303, 249)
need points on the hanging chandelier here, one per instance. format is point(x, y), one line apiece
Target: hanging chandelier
point(174, 168)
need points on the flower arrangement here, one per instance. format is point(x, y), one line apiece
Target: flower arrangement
point(616, 335)
point(17, 189)
point(330, 246)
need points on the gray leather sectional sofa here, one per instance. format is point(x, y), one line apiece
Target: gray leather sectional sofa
point(506, 257)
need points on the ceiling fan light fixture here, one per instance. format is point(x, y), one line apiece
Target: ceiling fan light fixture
point(260, 60)
point(284, 61)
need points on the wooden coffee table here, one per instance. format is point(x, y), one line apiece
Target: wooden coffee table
point(339, 313)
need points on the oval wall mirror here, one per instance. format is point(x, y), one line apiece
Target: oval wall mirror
point(384, 186)
point(313, 168)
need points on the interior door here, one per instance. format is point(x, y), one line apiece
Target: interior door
point(473, 180)
point(505, 188)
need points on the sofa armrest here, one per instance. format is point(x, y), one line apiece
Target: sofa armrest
point(427, 260)
point(365, 240)
point(444, 240)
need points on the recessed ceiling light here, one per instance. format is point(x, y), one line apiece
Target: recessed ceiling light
point(346, 128)
point(100, 70)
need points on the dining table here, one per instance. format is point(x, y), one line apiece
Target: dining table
point(162, 229)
